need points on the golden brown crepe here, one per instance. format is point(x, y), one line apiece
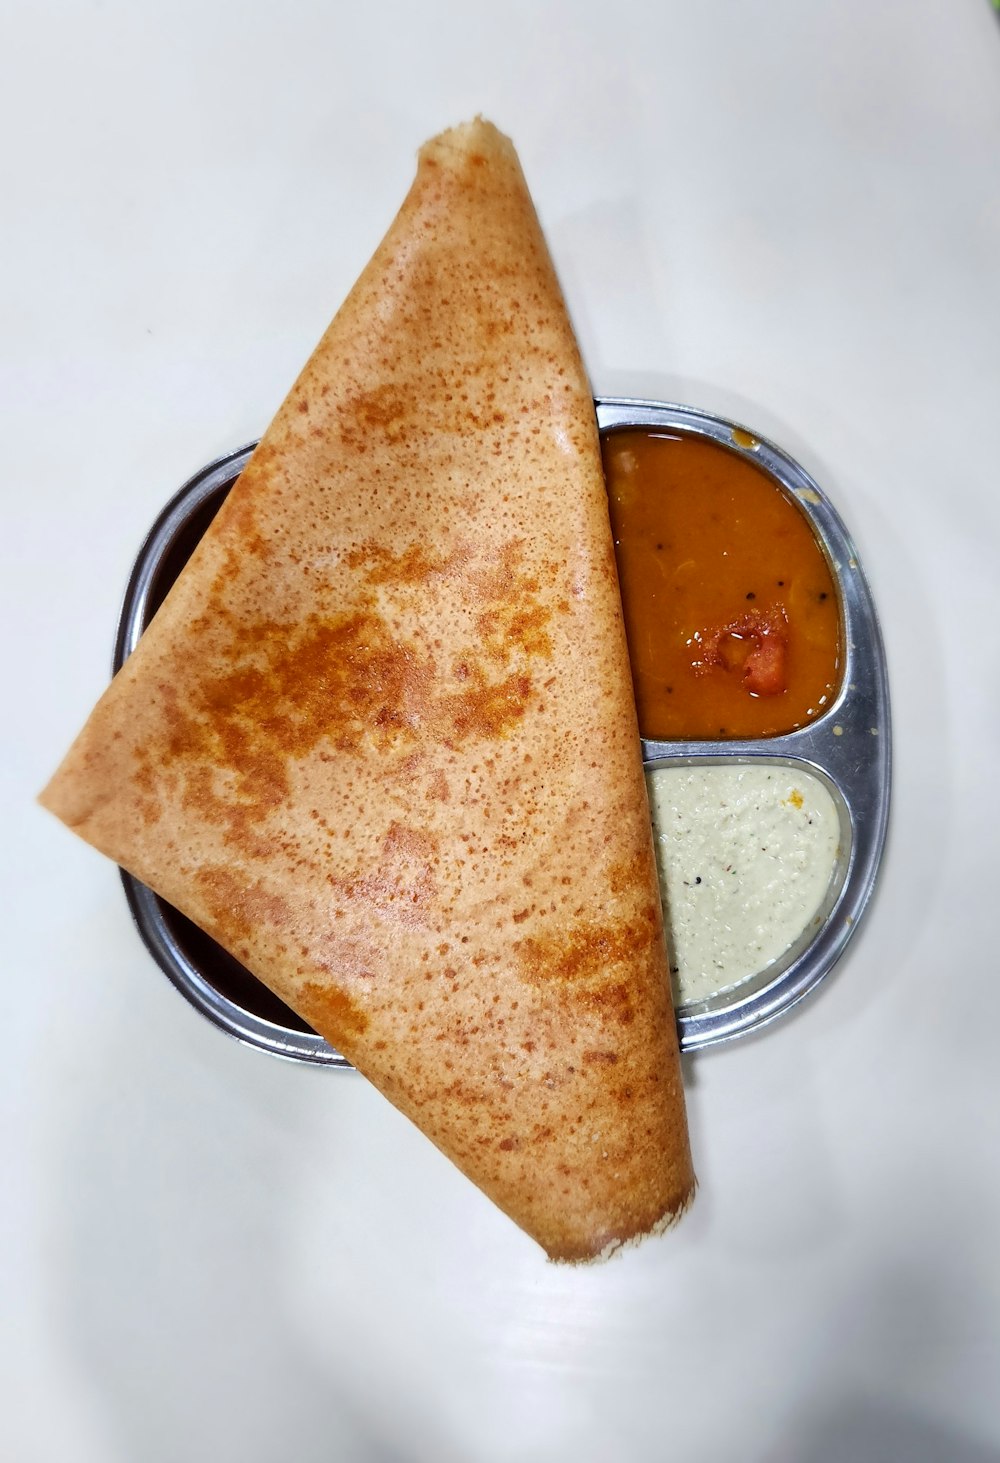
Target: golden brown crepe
point(380, 740)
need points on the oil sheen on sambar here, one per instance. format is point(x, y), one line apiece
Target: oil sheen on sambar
point(731, 611)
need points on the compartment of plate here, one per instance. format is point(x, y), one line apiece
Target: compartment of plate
point(847, 746)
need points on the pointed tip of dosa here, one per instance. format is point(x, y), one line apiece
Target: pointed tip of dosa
point(469, 141)
point(615, 1247)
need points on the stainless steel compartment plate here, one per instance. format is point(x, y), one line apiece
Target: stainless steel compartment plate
point(848, 748)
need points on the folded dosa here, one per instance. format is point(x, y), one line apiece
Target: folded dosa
point(380, 739)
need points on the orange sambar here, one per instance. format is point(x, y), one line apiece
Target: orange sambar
point(731, 612)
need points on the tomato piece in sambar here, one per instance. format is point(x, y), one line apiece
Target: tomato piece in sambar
point(731, 611)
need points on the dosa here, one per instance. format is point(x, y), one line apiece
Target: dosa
point(380, 740)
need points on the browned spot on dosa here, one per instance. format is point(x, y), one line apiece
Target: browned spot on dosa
point(148, 801)
point(413, 565)
point(512, 615)
point(238, 908)
point(383, 409)
point(485, 709)
point(237, 524)
point(331, 1012)
point(347, 682)
point(628, 874)
point(586, 950)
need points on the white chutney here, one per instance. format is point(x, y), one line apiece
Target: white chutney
point(746, 854)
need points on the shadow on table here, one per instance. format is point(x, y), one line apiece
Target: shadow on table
point(867, 1430)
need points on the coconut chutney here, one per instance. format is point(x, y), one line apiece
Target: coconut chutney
point(746, 854)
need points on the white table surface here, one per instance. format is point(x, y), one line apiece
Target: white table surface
point(788, 212)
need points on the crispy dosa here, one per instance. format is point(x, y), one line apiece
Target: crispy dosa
point(380, 740)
